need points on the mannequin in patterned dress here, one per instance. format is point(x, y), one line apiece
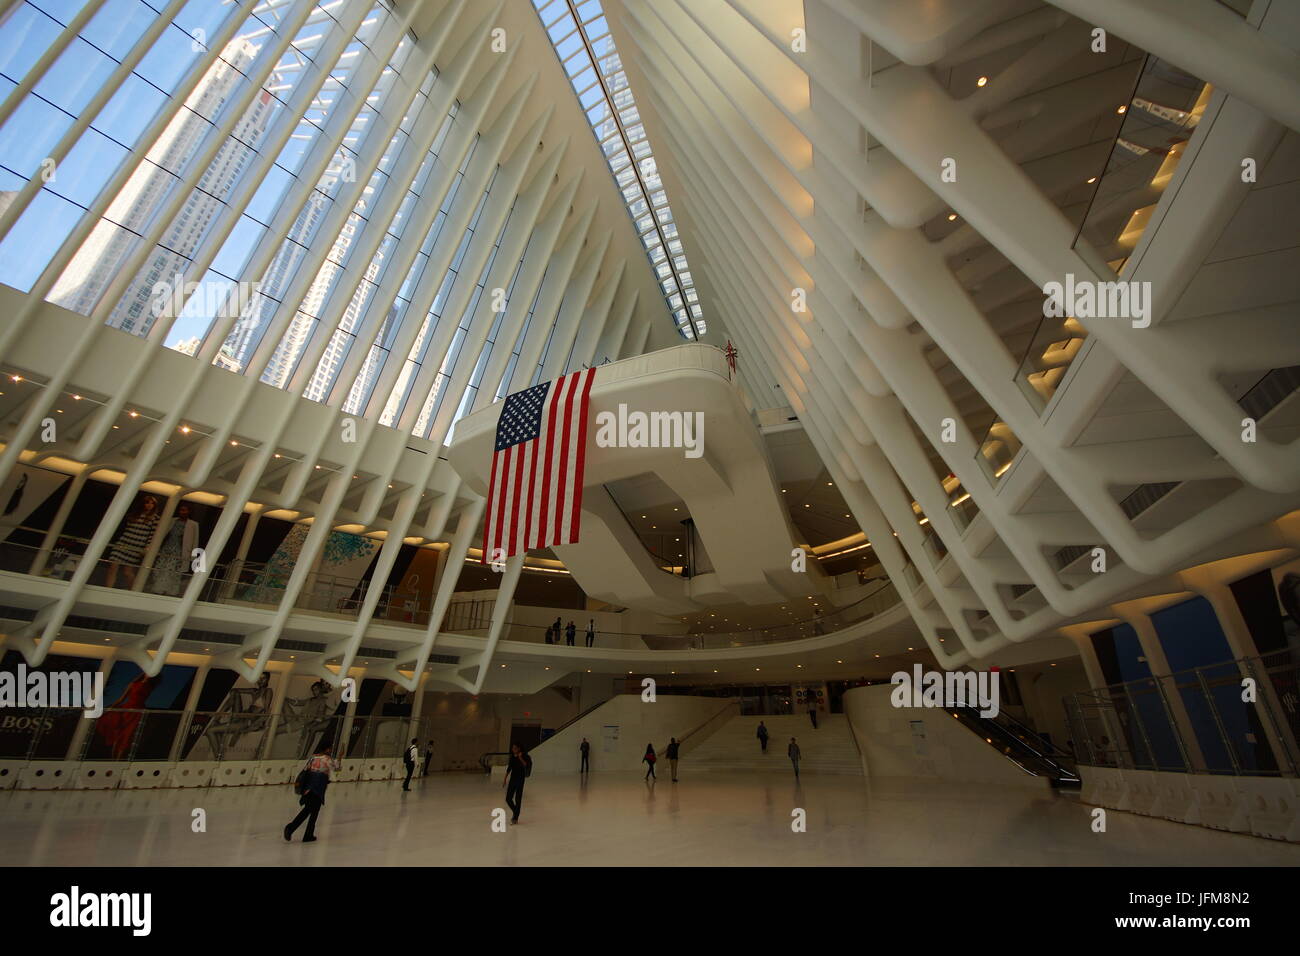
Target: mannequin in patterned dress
point(127, 552)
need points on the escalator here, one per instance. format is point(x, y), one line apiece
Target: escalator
point(1022, 746)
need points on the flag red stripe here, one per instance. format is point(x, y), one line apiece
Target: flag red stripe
point(501, 502)
point(583, 403)
point(543, 539)
point(560, 486)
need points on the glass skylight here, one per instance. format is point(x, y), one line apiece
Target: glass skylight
point(585, 46)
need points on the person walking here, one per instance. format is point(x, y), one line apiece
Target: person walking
point(586, 754)
point(428, 756)
point(673, 748)
point(762, 736)
point(412, 754)
point(311, 784)
point(649, 760)
point(591, 632)
point(812, 712)
point(517, 771)
point(793, 752)
point(570, 631)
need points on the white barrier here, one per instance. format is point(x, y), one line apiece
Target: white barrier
point(1263, 806)
point(9, 773)
point(100, 775)
point(47, 775)
point(147, 776)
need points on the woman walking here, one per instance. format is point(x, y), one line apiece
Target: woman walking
point(311, 783)
point(649, 760)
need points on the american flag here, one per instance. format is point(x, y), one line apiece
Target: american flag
point(535, 495)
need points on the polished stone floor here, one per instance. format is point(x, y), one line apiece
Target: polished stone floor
point(707, 819)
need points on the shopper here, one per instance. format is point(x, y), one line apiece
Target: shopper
point(762, 736)
point(812, 711)
point(591, 632)
point(649, 760)
point(428, 756)
point(570, 631)
point(586, 753)
point(793, 752)
point(517, 771)
point(311, 784)
point(557, 628)
point(409, 758)
point(671, 754)
point(127, 553)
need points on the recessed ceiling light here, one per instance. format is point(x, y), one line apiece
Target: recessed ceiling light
point(982, 81)
point(952, 217)
point(1091, 180)
point(1122, 110)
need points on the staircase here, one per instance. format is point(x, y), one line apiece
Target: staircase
point(734, 746)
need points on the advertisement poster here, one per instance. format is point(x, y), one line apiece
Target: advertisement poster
point(232, 717)
point(313, 709)
point(415, 591)
point(344, 559)
point(40, 732)
point(25, 490)
point(127, 731)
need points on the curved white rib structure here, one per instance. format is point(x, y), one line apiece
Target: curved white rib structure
point(845, 155)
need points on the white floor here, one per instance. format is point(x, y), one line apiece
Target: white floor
point(740, 819)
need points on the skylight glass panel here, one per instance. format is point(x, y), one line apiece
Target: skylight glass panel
point(585, 47)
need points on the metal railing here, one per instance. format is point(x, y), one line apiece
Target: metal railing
point(132, 734)
point(256, 584)
point(1239, 717)
point(248, 583)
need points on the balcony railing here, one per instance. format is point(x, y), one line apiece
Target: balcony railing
point(253, 584)
point(1243, 717)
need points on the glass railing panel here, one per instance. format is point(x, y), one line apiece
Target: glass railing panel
point(1159, 118)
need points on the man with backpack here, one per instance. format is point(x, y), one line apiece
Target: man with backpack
point(310, 786)
point(671, 754)
point(412, 754)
